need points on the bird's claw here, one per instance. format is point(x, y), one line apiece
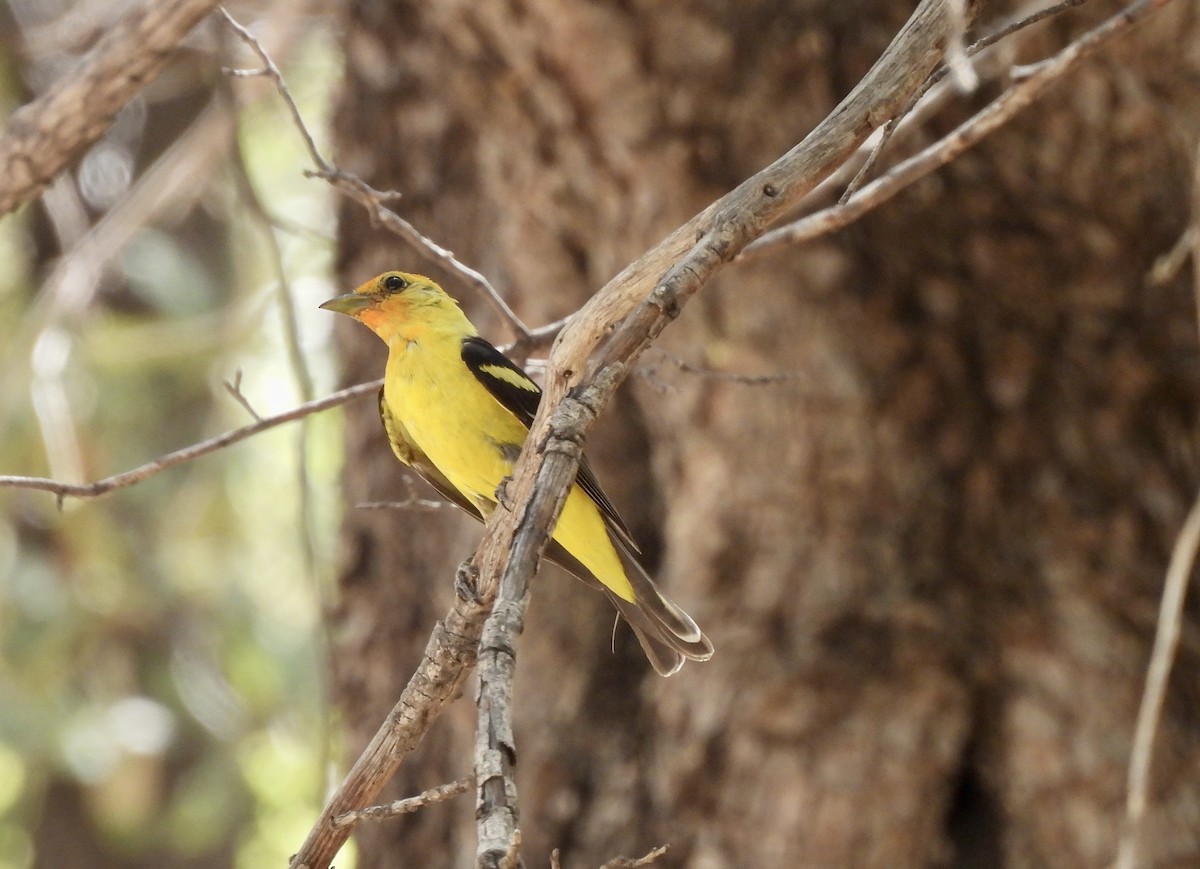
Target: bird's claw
point(466, 582)
point(502, 494)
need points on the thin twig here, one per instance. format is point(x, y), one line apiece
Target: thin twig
point(1166, 641)
point(939, 75)
point(1023, 22)
point(234, 388)
point(373, 200)
point(412, 502)
point(405, 806)
point(1019, 96)
point(269, 68)
point(143, 472)
point(1169, 264)
point(637, 862)
point(406, 504)
point(885, 135)
point(1168, 627)
point(957, 59)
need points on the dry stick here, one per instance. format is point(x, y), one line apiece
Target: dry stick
point(48, 134)
point(234, 388)
point(599, 345)
point(373, 200)
point(143, 472)
point(1170, 618)
point(907, 113)
point(1166, 641)
point(994, 115)
point(997, 113)
point(406, 806)
point(449, 656)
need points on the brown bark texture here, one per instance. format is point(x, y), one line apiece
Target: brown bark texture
point(929, 558)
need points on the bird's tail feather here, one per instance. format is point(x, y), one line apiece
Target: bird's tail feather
point(667, 634)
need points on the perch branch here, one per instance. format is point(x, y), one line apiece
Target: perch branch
point(449, 656)
point(551, 453)
point(599, 345)
point(908, 113)
point(51, 132)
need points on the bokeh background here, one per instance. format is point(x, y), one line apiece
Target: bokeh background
point(918, 480)
point(163, 690)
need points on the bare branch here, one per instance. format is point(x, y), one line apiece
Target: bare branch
point(412, 502)
point(143, 472)
point(1169, 625)
point(1166, 641)
point(908, 113)
point(405, 806)
point(372, 200)
point(270, 69)
point(49, 133)
point(957, 60)
point(166, 186)
point(713, 374)
point(997, 113)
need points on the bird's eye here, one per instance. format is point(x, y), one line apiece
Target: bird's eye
point(394, 283)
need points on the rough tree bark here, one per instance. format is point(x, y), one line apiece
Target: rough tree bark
point(929, 561)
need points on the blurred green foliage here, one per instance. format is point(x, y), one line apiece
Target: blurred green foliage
point(161, 651)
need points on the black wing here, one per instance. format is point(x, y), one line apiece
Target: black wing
point(520, 396)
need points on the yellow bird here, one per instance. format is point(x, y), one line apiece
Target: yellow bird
point(457, 411)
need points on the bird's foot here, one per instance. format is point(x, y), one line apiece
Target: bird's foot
point(466, 582)
point(502, 494)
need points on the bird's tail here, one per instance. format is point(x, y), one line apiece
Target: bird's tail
point(667, 634)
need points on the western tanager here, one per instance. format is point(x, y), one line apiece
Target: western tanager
point(457, 411)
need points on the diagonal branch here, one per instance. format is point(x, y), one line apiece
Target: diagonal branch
point(1023, 93)
point(600, 344)
point(45, 136)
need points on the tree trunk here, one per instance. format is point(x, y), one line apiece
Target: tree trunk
point(929, 557)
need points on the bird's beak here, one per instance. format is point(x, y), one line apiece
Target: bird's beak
point(351, 304)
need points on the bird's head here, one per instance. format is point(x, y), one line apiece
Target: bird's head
point(399, 304)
